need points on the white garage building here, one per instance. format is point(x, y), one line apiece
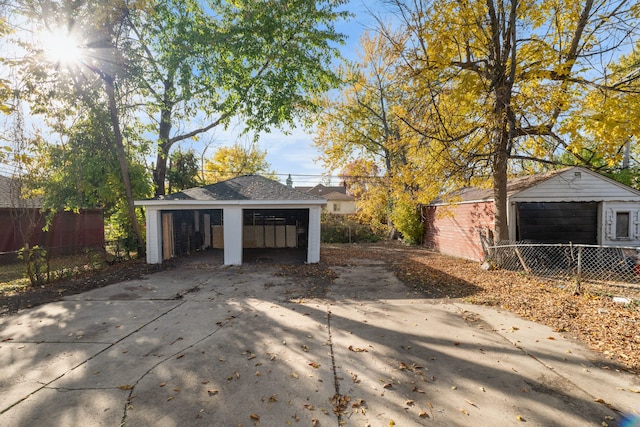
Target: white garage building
point(241, 213)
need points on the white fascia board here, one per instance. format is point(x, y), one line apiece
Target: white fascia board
point(214, 204)
point(574, 199)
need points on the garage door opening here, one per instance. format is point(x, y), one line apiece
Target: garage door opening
point(557, 222)
point(185, 232)
point(275, 235)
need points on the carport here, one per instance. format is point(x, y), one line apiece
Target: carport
point(243, 213)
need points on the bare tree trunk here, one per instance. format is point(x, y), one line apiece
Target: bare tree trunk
point(164, 144)
point(124, 164)
point(500, 159)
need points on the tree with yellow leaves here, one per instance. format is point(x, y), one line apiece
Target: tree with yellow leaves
point(236, 160)
point(491, 83)
point(361, 134)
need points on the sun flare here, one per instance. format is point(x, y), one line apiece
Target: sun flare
point(61, 47)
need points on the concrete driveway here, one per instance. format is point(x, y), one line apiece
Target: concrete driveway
point(215, 346)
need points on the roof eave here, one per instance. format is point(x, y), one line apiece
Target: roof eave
point(183, 202)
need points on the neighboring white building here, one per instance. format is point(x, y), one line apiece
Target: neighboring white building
point(338, 201)
point(245, 212)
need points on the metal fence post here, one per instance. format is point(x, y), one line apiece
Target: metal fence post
point(579, 270)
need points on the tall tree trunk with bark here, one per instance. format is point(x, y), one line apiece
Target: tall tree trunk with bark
point(164, 139)
point(122, 159)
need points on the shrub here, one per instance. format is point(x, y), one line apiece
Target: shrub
point(36, 264)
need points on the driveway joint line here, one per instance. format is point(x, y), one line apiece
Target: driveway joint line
point(336, 382)
point(172, 356)
point(111, 345)
point(546, 366)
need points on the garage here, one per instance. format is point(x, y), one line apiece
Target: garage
point(245, 217)
point(569, 205)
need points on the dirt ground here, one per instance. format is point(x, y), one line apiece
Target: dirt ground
point(592, 316)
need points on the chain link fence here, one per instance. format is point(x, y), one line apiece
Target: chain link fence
point(604, 269)
point(39, 265)
point(336, 233)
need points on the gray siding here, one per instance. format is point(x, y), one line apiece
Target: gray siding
point(576, 186)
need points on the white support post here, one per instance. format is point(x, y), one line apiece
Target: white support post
point(313, 241)
point(232, 219)
point(154, 236)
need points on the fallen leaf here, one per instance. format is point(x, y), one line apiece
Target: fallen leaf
point(633, 390)
point(358, 403)
point(464, 411)
point(255, 417)
point(315, 423)
point(417, 390)
point(163, 384)
point(409, 402)
point(294, 375)
point(520, 418)
point(423, 414)
point(309, 407)
point(126, 387)
point(387, 385)
point(470, 403)
point(169, 398)
point(273, 398)
point(213, 392)
point(314, 365)
point(340, 402)
point(358, 349)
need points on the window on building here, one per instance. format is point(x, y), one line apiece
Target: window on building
point(622, 225)
point(336, 207)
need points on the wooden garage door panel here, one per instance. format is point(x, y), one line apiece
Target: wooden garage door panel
point(558, 222)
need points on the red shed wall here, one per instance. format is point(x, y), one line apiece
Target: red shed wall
point(455, 229)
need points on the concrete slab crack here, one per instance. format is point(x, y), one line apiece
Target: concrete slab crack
point(337, 398)
point(107, 348)
point(131, 387)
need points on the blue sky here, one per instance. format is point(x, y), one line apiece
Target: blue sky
point(293, 152)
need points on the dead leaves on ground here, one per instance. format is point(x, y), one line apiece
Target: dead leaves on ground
point(340, 403)
point(603, 325)
point(358, 349)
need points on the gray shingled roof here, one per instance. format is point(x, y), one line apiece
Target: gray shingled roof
point(334, 195)
point(10, 189)
point(321, 190)
point(247, 187)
